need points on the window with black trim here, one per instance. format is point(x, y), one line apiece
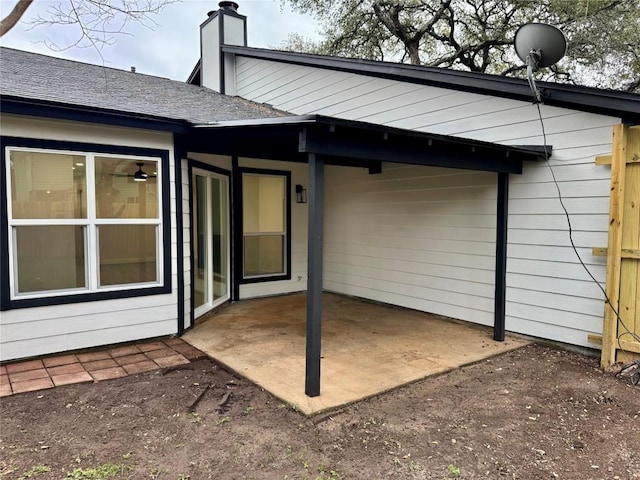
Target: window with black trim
point(265, 242)
point(82, 222)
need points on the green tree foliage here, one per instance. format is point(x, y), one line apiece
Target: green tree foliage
point(477, 35)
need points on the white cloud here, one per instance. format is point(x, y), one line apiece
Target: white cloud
point(172, 48)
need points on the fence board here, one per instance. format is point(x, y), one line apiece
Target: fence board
point(620, 334)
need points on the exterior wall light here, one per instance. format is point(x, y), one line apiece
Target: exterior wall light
point(301, 194)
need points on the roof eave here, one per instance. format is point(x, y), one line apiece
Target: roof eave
point(331, 124)
point(81, 113)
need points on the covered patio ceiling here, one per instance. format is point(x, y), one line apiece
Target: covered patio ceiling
point(319, 140)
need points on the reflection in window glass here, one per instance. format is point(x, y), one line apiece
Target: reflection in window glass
point(47, 185)
point(263, 255)
point(127, 254)
point(50, 257)
point(263, 200)
point(126, 188)
point(200, 250)
point(264, 214)
point(219, 224)
point(74, 232)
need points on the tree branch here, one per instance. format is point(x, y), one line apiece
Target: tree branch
point(14, 16)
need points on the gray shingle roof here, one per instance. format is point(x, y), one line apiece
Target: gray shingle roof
point(40, 77)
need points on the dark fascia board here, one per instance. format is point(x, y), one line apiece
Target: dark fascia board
point(83, 113)
point(340, 144)
point(194, 76)
point(524, 152)
point(350, 143)
point(594, 100)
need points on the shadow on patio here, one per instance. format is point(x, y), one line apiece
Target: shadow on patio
point(367, 348)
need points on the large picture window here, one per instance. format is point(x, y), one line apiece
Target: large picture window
point(82, 222)
point(264, 211)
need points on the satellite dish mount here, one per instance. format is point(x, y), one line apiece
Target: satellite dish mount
point(539, 45)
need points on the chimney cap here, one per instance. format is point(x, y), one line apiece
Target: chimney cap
point(228, 5)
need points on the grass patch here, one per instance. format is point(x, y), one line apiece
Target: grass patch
point(223, 420)
point(249, 410)
point(101, 472)
point(291, 406)
point(453, 470)
point(327, 475)
point(34, 471)
point(195, 418)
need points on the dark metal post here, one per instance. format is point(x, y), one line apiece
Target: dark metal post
point(314, 275)
point(237, 248)
point(501, 257)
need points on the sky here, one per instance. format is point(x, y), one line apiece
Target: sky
point(171, 49)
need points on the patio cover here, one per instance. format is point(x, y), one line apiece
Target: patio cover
point(319, 140)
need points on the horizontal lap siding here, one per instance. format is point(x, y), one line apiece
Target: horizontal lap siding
point(549, 294)
point(414, 236)
point(34, 331)
point(186, 239)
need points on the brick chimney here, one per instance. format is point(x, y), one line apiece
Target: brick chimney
point(224, 26)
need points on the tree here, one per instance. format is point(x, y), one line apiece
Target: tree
point(477, 35)
point(97, 21)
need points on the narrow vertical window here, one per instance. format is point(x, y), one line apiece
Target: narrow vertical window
point(264, 204)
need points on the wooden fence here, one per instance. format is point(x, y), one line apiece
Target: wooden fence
point(621, 332)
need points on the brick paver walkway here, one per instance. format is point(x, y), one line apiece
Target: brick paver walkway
point(94, 366)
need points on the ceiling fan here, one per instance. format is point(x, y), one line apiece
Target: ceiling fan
point(138, 176)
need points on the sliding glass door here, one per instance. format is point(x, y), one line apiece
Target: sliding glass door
point(210, 240)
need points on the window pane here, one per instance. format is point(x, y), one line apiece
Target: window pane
point(49, 258)
point(200, 250)
point(47, 185)
point(219, 219)
point(127, 254)
point(263, 203)
point(263, 255)
point(123, 190)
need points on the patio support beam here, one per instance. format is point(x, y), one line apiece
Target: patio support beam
point(501, 257)
point(415, 151)
point(314, 275)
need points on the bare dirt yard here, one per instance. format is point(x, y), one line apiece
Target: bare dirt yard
point(534, 413)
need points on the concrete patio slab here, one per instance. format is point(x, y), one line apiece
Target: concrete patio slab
point(367, 348)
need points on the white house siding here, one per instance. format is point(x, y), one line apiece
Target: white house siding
point(34, 331)
point(548, 293)
point(419, 237)
point(186, 241)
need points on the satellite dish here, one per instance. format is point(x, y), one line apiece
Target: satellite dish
point(539, 45)
point(545, 40)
